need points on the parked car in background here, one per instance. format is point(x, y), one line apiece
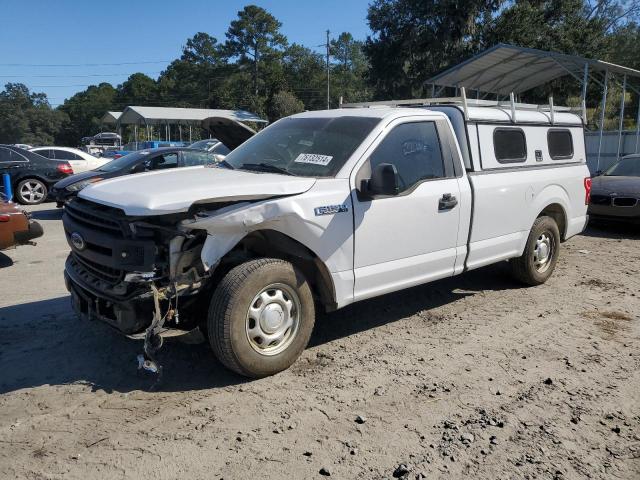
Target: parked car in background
point(32, 175)
point(136, 162)
point(80, 161)
point(212, 145)
point(16, 228)
point(615, 195)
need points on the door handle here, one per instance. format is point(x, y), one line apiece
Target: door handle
point(447, 202)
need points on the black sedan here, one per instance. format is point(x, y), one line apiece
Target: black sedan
point(135, 162)
point(32, 175)
point(615, 195)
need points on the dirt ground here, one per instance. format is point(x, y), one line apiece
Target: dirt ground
point(469, 377)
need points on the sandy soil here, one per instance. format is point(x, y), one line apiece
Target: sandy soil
point(469, 377)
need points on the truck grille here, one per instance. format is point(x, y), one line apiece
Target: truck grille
point(111, 276)
point(96, 216)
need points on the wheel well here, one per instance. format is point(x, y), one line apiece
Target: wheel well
point(556, 212)
point(273, 244)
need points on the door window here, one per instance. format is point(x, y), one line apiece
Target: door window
point(414, 149)
point(161, 162)
point(195, 158)
point(9, 156)
point(64, 155)
point(48, 153)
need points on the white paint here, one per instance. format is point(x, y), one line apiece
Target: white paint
point(377, 246)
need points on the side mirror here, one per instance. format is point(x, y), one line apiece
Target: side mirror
point(384, 181)
point(598, 173)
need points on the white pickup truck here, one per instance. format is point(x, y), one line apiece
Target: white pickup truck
point(320, 210)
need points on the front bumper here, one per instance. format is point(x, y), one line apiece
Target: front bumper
point(615, 213)
point(129, 315)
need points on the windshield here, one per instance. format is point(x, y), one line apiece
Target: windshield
point(123, 162)
point(627, 167)
point(309, 147)
point(204, 144)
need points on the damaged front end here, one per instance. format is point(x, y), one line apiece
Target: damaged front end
point(126, 271)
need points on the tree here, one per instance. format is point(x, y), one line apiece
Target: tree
point(84, 111)
point(201, 49)
point(412, 39)
point(254, 36)
point(27, 117)
point(349, 70)
point(283, 104)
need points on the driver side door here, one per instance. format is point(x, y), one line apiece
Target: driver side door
point(408, 238)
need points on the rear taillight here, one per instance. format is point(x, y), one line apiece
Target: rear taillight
point(65, 168)
point(587, 190)
point(116, 156)
point(5, 218)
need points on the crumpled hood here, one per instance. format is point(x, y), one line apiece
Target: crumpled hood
point(175, 190)
point(618, 185)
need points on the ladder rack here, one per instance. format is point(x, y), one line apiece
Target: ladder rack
point(465, 103)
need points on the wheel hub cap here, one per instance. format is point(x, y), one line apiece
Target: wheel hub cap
point(543, 252)
point(273, 318)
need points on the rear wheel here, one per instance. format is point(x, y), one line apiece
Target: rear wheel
point(261, 317)
point(540, 256)
point(31, 191)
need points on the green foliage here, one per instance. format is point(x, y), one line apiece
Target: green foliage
point(283, 104)
point(26, 117)
point(258, 70)
point(255, 36)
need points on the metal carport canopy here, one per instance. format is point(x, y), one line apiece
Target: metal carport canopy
point(111, 117)
point(134, 115)
point(504, 68)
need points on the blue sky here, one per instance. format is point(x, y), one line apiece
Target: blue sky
point(71, 32)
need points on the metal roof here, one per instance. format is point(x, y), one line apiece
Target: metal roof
point(162, 115)
point(506, 68)
point(111, 117)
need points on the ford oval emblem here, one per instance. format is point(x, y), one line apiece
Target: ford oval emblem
point(77, 241)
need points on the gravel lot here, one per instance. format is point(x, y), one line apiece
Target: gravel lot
point(472, 376)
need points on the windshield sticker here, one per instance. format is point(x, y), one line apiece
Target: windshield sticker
point(314, 159)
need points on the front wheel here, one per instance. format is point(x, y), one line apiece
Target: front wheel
point(31, 191)
point(261, 317)
point(540, 256)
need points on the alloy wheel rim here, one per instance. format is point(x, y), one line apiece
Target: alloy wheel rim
point(32, 191)
point(273, 319)
point(543, 252)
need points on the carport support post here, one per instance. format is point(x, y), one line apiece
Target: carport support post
point(189, 133)
point(621, 123)
point(585, 81)
point(637, 126)
point(604, 106)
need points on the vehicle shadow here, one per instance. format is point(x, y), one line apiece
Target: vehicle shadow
point(603, 229)
point(44, 343)
point(395, 306)
point(50, 214)
point(5, 261)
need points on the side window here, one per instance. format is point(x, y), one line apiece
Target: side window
point(192, 159)
point(45, 153)
point(161, 162)
point(414, 149)
point(509, 145)
point(221, 149)
point(5, 155)
point(560, 144)
point(64, 155)
point(9, 156)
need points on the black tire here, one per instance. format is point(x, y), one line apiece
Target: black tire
point(33, 199)
point(526, 268)
point(229, 320)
